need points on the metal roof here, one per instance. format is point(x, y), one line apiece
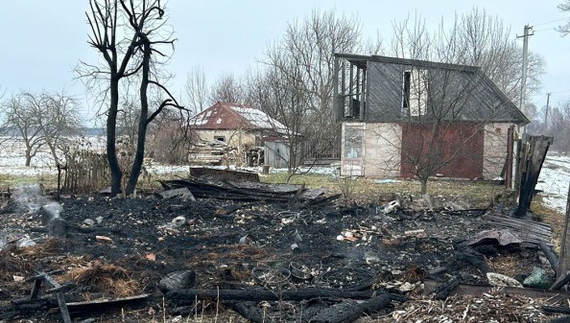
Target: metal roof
point(232, 116)
point(449, 84)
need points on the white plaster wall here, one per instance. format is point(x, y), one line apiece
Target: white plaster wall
point(383, 143)
point(494, 149)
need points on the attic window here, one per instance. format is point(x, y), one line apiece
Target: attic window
point(220, 138)
point(414, 92)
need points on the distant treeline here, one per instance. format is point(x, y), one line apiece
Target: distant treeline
point(85, 131)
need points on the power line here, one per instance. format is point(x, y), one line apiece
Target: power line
point(562, 91)
point(550, 22)
point(544, 29)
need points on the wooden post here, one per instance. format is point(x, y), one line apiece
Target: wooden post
point(564, 262)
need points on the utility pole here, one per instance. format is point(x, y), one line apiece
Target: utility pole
point(545, 127)
point(527, 32)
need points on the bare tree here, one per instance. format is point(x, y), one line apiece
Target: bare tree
point(121, 32)
point(61, 122)
point(475, 38)
point(196, 89)
point(42, 120)
point(299, 70)
point(282, 99)
point(171, 137)
point(228, 88)
point(486, 42)
point(564, 29)
point(558, 125)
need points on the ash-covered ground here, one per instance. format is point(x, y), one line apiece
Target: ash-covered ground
point(120, 247)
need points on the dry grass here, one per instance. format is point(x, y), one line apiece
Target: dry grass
point(479, 194)
point(547, 215)
point(109, 279)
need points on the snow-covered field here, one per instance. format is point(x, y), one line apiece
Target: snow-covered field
point(553, 181)
point(12, 160)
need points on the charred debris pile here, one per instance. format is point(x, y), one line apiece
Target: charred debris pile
point(251, 252)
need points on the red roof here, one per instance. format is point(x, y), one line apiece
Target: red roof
point(223, 115)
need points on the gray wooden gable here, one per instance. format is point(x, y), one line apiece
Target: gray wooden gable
point(452, 92)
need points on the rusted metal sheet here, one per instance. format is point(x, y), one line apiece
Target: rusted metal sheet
point(219, 116)
point(455, 148)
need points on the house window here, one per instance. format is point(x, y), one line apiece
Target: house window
point(353, 142)
point(220, 138)
point(414, 92)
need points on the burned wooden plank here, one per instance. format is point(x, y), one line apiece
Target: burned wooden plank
point(251, 192)
point(549, 253)
point(560, 281)
point(556, 309)
point(267, 295)
point(443, 290)
point(224, 174)
point(349, 310)
point(105, 303)
point(250, 311)
point(45, 277)
point(533, 155)
point(464, 289)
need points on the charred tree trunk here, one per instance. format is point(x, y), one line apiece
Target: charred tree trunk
point(143, 123)
point(116, 173)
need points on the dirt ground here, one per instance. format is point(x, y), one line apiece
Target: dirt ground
point(122, 247)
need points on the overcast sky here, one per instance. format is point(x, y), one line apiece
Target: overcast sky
point(42, 41)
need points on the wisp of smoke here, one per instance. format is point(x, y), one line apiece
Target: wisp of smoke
point(29, 197)
point(53, 208)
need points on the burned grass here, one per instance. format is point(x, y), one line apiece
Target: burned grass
point(276, 247)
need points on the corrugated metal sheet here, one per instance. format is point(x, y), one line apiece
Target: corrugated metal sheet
point(224, 115)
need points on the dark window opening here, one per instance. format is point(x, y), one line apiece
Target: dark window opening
point(220, 138)
point(406, 90)
point(351, 89)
